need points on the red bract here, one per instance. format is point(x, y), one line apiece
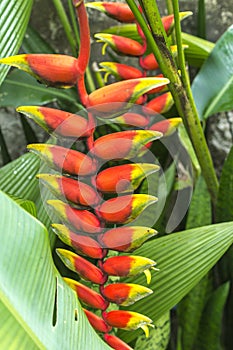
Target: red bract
point(97, 322)
point(116, 343)
point(117, 10)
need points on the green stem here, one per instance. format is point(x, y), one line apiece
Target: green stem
point(66, 25)
point(74, 22)
point(201, 19)
point(169, 6)
point(157, 40)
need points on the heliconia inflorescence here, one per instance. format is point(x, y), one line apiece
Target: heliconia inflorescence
point(95, 203)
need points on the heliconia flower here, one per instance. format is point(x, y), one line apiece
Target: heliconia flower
point(127, 320)
point(166, 126)
point(68, 160)
point(168, 21)
point(149, 62)
point(124, 178)
point(161, 104)
point(57, 122)
point(123, 144)
point(123, 92)
point(84, 245)
point(124, 209)
point(119, 70)
point(159, 89)
point(120, 44)
point(72, 190)
point(117, 10)
point(97, 322)
point(124, 294)
point(132, 119)
point(126, 266)
point(56, 70)
point(87, 295)
point(116, 343)
point(126, 238)
point(80, 220)
point(82, 267)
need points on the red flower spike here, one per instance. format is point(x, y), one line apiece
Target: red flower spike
point(127, 320)
point(87, 295)
point(80, 220)
point(124, 144)
point(116, 343)
point(123, 178)
point(120, 44)
point(84, 245)
point(55, 70)
point(97, 322)
point(117, 10)
point(82, 267)
point(132, 119)
point(57, 122)
point(124, 209)
point(167, 126)
point(160, 104)
point(119, 70)
point(126, 238)
point(127, 266)
point(124, 294)
point(168, 21)
point(72, 190)
point(122, 92)
point(68, 160)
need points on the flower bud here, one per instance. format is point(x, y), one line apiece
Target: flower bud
point(57, 122)
point(117, 10)
point(84, 245)
point(126, 238)
point(124, 178)
point(132, 119)
point(82, 267)
point(120, 71)
point(166, 126)
point(120, 44)
point(72, 190)
point(127, 266)
point(124, 209)
point(80, 220)
point(127, 320)
point(160, 104)
point(61, 158)
point(123, 93)
point(116, 343)
point(124, 144)
point(87, 295)
point(124, 294)
point(168, 21)
point(97, 322)
point(149, 62)
point(55, 70)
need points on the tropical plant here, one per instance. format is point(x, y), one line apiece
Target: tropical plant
point(101, 174)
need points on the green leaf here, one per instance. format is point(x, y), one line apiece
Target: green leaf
point(14, 19)
point(29, 206)
point(213, 85)
point(191, 306)
point(21, 89)
point(210, 327)
point(198, 49)
point(159, 336)
point(4, 150)
point(183, 259)
point(38, 310)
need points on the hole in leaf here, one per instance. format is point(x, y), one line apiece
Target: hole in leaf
point(76, 314)
point(54, 320)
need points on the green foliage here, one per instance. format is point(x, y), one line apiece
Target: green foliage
point(38, 310)
point(213, 85)
point(15, 15)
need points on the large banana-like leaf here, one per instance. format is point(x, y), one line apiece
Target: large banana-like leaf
point(213, 85)
point(183, 259)
point(38, 310)
point(14, 19)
